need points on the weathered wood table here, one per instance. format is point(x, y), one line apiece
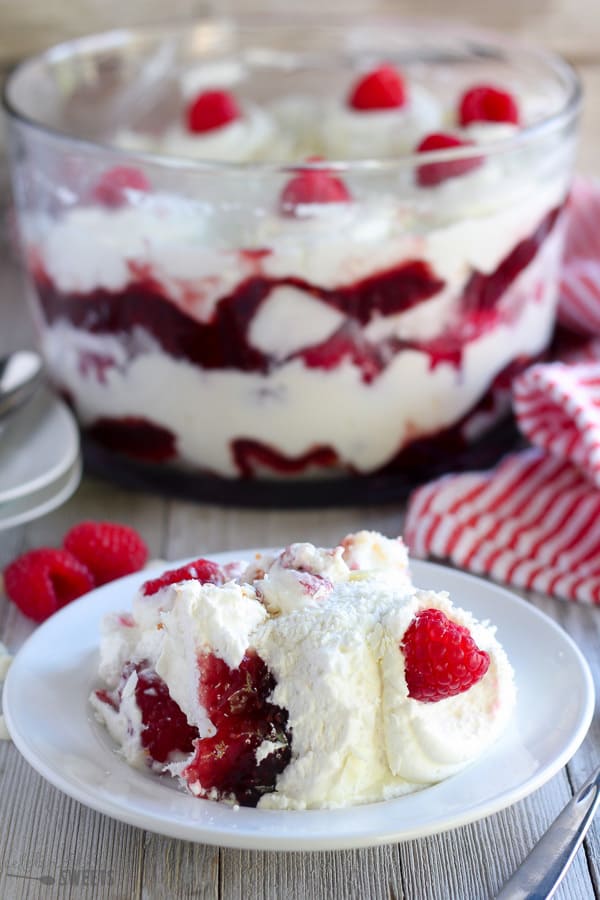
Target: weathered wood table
point(53, 847)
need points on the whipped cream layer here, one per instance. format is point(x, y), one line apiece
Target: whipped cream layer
point(329, 625)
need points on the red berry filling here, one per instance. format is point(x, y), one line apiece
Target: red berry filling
point(434, 173)
point(107, 549)
point(312, 186)
point(42, 581)
point(441, 659)
point(202, 570)
point(485, 103)
point(383, 88)
point(136, 437)
point(251, 457)
point(165, 729)
point(211, 110)
point(237, 703)
point(113, 186)
point(345, 345)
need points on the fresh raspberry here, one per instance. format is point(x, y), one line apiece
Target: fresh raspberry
point(382, 88)
point(312, 186)
point(108, 550)
point(431, 174)
point(210, 110)
point(485, 103)
point(112, 187)
point(201, 570)
point(42, 581)
point(441, 659)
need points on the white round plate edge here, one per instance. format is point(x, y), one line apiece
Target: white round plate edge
point(236, 837)
point(44, 500)
point(67, 424)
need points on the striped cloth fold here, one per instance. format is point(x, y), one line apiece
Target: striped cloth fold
point(557, 407)
point(534, 521)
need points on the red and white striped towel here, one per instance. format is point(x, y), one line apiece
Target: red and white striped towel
point(557, 408)
point(534, 520)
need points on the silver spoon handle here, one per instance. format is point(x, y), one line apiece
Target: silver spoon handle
point(540, 873)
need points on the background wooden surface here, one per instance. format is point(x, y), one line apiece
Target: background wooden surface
point(569, 26)
point(52, 847)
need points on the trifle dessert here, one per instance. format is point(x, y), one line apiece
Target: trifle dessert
point(299, 679)
point(277, 259)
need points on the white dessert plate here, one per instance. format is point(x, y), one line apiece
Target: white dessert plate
point(37, 445)
point(49, 719)
point(38, 503)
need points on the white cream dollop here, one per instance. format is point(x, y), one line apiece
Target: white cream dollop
point(381, 133)
point(253, 136)
point(427, 742)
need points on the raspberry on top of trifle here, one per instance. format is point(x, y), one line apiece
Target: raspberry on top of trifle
point(382, 112)
point(304, 678)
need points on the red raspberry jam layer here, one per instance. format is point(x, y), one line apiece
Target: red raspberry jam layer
point(237, 704)
point(222, 342)
point(165, 729)
point(236, 701)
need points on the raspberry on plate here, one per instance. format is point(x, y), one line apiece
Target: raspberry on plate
point(434, 173)
point(312, 186)
point(109, 550)
point(42, 581)
point(441, 657)
point(201, 570)
point(485, 103)
point(112, 187)
point(382, 88)
point(211, 110)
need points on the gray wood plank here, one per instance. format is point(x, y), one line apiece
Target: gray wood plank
point(196, 529)
point(179, 869)
point(100, 501)
point(473, 862)
point(53, 847)
point(347, 874)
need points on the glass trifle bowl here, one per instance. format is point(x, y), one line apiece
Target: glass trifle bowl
point(270, 251)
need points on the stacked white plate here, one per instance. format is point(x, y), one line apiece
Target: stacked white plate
point(40, 462)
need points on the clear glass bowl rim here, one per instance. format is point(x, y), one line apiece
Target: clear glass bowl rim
point(114, 38)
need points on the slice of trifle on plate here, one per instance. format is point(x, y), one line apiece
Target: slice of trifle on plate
point(301, 679)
